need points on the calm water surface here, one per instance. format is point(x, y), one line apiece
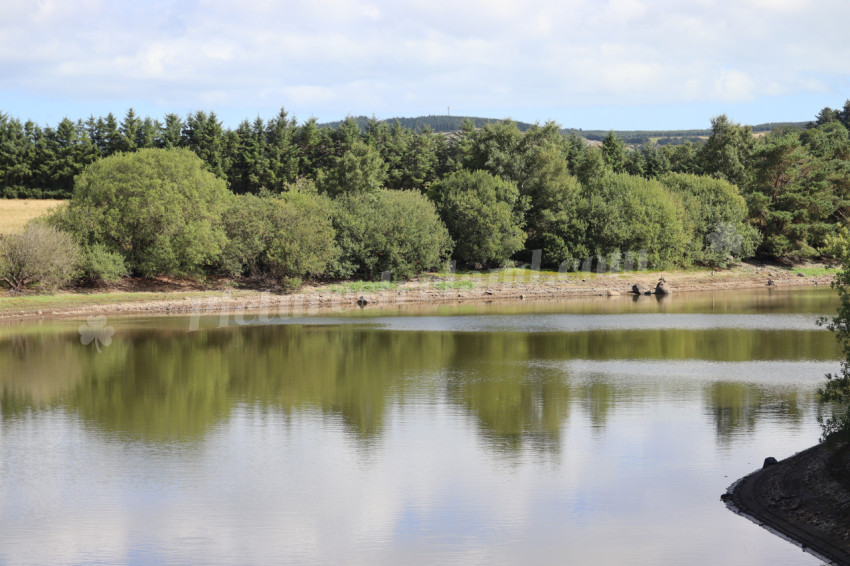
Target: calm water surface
point(576, 432)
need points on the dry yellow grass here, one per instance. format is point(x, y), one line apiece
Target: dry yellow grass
point(14, 213)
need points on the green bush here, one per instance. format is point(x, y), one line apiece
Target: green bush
point(394, 231)
point(303, 237)
point(160, 209)
point(478, 210)
point(286, 237)
point(247, 223)
point(38, 255)
point(716, 218)
point(628, 214)
point(100, 265)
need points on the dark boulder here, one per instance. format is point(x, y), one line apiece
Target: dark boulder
point(641, 289)
point(663, 288)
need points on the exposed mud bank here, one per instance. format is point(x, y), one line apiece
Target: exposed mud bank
point(186, 297)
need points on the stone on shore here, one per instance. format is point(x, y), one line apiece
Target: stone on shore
point(663, 288)
point(641, 289)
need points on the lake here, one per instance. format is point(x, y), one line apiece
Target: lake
point(583, 431)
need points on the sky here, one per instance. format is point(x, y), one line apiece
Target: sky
point(591, 64)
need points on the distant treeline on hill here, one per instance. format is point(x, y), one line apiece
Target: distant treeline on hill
point(439, 124)
point(446, 124)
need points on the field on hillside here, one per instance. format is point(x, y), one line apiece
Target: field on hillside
point(14, 213)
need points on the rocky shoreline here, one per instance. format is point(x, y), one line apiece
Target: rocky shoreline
point(528, 285)
point(801, 499)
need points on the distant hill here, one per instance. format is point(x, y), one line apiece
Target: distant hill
point(441, 124)
point(446, 124)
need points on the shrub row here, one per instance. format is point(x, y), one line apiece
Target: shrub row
point(162, 212)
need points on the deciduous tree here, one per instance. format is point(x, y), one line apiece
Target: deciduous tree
point(479, 210)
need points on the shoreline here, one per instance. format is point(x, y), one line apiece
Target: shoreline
point(161, 297)
point(799, 500)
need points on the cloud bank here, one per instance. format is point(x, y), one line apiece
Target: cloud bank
point(502, 57)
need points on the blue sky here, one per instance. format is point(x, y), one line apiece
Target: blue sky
point(593, 64)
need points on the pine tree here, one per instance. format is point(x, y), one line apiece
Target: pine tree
point(171, 135)
point(278, 144)
point(129, 129)
point(204, 135)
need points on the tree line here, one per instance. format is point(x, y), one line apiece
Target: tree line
point(278, 200)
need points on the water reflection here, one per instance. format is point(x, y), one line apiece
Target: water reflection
point(520, 387)
point(535, 439)
point(736, 407)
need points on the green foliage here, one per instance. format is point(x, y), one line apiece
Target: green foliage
point(591, 166)
point(539, 162)
point(262, 155)
point(837, 388)
point(40, 254)
point(796, 182)
point(287, 237)
point(359, 170)
point(98, 265)
point(553, 198)
point(412, 159)
point(682, 158)
point(478, 210)
point(302, 237)
point(716, 218)
point(247, 223)
point(614, 153)
point(826, 115)
point(203, 134)
point(648, 161)
point(837, 244)
point(17, 156)
point(443, 124)
point(797, 196)
point(631, 215)
point(388, 231)
point(160, 209)
point(830, 141)
point(496, 148)
point(727, 152)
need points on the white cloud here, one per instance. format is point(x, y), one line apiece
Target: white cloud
point(507, 54)
point(307, 94)
point(733, 86)
point(371, 12)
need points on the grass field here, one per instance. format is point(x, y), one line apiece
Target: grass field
point(14, 213)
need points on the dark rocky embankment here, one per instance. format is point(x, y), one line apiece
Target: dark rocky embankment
point(804, 499)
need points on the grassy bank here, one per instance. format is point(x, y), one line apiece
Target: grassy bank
point(170, 296)
point(65, 301)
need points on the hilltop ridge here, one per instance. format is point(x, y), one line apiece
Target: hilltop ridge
point(446, 124)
